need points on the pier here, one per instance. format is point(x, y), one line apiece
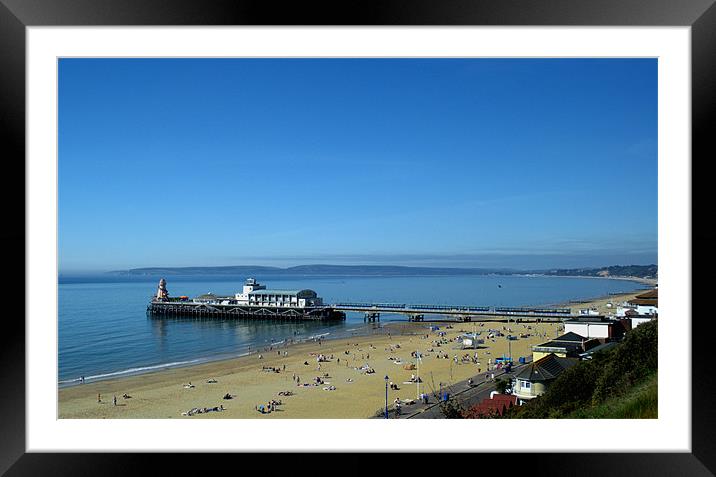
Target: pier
point(258, 302)
point(372, 312)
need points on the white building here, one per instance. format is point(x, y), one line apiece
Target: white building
point(254, 294)
point(646, 303)
point(637, 320)
point(250, 285)
point(595, 327)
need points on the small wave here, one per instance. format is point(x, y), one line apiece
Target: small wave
point(320, 335)
point(143, 369)
point(130, 371)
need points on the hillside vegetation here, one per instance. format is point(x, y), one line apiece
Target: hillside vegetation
point(640, 271)
point(617, 383)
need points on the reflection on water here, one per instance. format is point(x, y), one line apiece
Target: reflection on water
point(243, 329)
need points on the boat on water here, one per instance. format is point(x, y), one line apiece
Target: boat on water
point(253, 301)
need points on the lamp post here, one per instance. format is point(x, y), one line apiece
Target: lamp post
point(386, 396)
point(417, 360)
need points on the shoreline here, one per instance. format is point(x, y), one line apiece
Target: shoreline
point(364, 328)
point(360, 330)
point(645, 281)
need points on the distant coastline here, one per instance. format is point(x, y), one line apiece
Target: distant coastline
point(642, 273)
point(646, 281)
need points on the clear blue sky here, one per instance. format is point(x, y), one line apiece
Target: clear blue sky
point(519, 163)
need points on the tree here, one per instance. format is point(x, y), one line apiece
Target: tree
point(503, 386)
point(451, 409)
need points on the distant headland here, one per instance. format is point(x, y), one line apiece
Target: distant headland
point(614, 271)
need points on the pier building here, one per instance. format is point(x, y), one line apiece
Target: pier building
point(253, 301)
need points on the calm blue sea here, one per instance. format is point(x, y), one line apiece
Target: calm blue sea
point(104, 330)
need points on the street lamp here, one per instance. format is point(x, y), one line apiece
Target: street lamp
point(417, 360)
point(386, 396)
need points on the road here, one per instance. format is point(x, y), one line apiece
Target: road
point(466, 395)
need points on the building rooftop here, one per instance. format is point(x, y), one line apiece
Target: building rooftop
point(210, 296)
point(590, 319)
point(274, 292)
point(546, 368)
point(601, 347)
point(302, 293)
point(650, 294)
point(570, 337)
point(558, 344)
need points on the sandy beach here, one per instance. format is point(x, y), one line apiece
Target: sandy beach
point(346, 390)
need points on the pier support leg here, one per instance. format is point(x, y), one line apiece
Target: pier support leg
point(371, 317)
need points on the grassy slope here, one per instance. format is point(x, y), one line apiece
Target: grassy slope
point(640, 402)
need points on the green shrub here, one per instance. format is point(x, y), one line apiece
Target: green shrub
point(634, 359)
point(607, 376)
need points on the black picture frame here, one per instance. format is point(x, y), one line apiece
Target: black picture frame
point(700, 15)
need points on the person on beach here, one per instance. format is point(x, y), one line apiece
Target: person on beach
point(99, 398)
point(114, 400)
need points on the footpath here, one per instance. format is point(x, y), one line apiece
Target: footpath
point(466, 394)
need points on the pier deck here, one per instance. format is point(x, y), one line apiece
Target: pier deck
point(372, 311)
point(461, 313)
point(200, 310)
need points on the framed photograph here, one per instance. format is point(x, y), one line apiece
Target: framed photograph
point(410, 227)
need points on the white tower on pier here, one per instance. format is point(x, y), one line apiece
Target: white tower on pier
point(162, 293)
point(250, 285)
